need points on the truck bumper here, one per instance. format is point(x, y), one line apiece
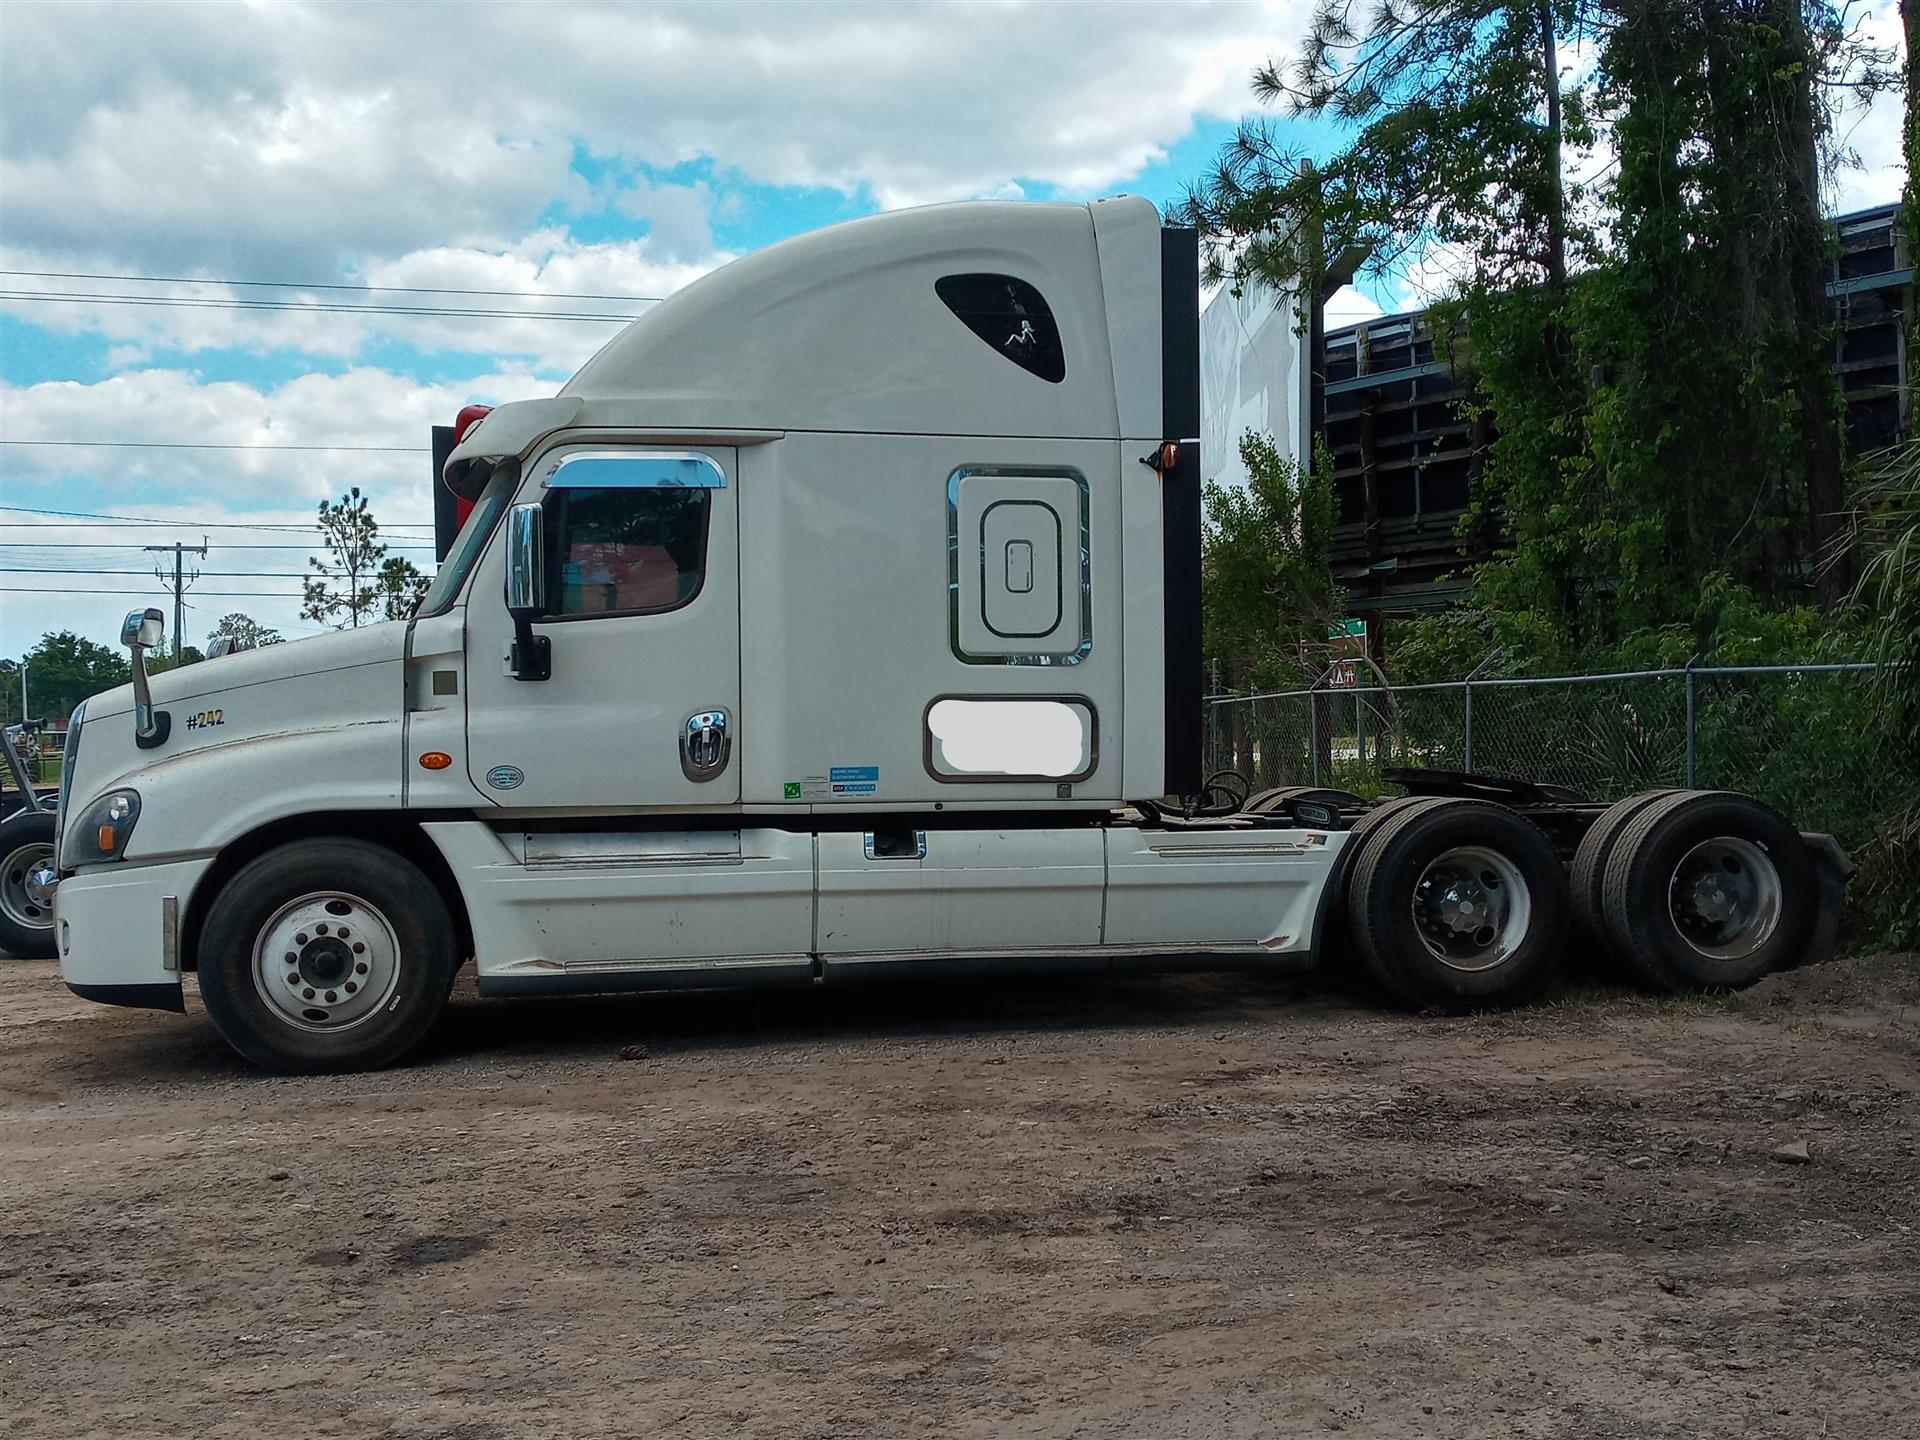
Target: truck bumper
point(119, 932)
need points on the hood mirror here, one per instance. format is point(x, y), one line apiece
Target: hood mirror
point(141, 631)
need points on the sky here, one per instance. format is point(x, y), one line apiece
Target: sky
point(557, 163)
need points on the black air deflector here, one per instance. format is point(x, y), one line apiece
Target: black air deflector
point(1180, 505)
point(446, 508)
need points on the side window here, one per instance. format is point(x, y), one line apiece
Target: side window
point(628, 533)
point(628, 550)
point(1011, 316)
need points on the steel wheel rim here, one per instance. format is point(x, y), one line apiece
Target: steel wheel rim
point(1724, 898)
point(27, 878)
point(1472, 908)
point(326, 962)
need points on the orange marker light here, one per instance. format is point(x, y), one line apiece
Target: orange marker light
point(435, 760)
point(107, 839)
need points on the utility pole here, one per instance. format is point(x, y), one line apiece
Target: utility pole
point(180, 582)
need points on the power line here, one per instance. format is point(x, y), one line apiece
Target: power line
point(319, 285)
point(180, 302)
point(211, 445)
point(190, 524)
point(204, 595)
point(224, 545)
point(223, 574)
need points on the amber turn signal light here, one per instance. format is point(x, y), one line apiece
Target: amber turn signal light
point(435, 760)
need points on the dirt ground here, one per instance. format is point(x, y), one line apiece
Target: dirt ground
point(1190, 1206)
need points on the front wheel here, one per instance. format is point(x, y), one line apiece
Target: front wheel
point(326, 955)
point(27, 879)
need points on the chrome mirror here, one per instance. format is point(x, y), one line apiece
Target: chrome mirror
point(144, 628)
point(526, 560)
point(532, 657)
point(141, 631)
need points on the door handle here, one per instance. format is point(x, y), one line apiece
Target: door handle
point(705, 745)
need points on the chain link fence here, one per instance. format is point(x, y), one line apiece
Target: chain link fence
point(1792, 735)
point(1797, 737)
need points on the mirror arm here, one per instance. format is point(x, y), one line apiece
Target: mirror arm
point(532, 657)
point(150, 729)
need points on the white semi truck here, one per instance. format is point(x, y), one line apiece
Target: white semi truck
point(840, 617)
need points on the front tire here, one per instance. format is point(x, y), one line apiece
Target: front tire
point(27, 879)
point(325, 956)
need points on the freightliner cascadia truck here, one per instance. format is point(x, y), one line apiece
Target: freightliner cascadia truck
point(841, 617)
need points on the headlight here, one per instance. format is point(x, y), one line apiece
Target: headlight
point(101, 833)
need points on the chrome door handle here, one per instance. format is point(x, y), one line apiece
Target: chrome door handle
point(705, 745)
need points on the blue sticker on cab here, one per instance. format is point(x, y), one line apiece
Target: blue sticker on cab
point(854, 779)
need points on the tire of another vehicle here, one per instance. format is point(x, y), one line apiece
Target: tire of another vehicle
point(1707, 890)
point(1458, 904)
point(277, 923)
point(1589, 870)
point(26, 868)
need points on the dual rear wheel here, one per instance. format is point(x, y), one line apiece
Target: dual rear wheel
point(1461, 904)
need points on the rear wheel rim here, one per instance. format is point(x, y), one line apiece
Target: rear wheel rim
point(326, 962)
point(1724, 898)
point(1472, 908)
point(27, 878)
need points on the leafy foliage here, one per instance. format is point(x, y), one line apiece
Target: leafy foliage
point(1268, 586)
point(401, 586)
point(65, 668)
point(346, 582)
point(246, 632)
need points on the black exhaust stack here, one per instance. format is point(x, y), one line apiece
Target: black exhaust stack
point(1180, 504)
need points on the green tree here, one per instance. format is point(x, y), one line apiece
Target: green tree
point(160, 662)
point(1268, 593)
point(345, 582)
point(1455, 116)
point(401, 586)
point(65, 668)
point(246, 632)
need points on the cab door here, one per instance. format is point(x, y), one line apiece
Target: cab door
point(641, 616)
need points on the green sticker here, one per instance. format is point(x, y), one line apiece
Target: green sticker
point(793, 790)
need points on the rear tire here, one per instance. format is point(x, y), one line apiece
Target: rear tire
point(1458, 904)
point(327, 955)
point(1707, 890)
point(1589, 871)
point(26, 884)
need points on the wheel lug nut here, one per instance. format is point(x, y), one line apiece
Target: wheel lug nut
point(343, 932)
point(307, 994)
point(294, 978)
point(361, 968)
point(301, 938)
point(319, 929)
point(351, 987)
point(332, 995)
point(359, 948)
point(291, 957)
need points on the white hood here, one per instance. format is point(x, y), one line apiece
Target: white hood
point(377, 644)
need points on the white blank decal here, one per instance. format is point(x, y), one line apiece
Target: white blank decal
point(1009, 737)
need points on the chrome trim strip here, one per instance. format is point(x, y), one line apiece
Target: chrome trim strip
point(635, 470)
point(170, 934)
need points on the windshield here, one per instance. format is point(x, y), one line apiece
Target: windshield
point(471, 540)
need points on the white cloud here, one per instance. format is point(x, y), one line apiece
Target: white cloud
point(545, 262)
point(209, 488)
point(299, 139)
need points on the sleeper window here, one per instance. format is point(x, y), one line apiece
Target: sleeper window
point(622, 551)
point(1011, 316)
